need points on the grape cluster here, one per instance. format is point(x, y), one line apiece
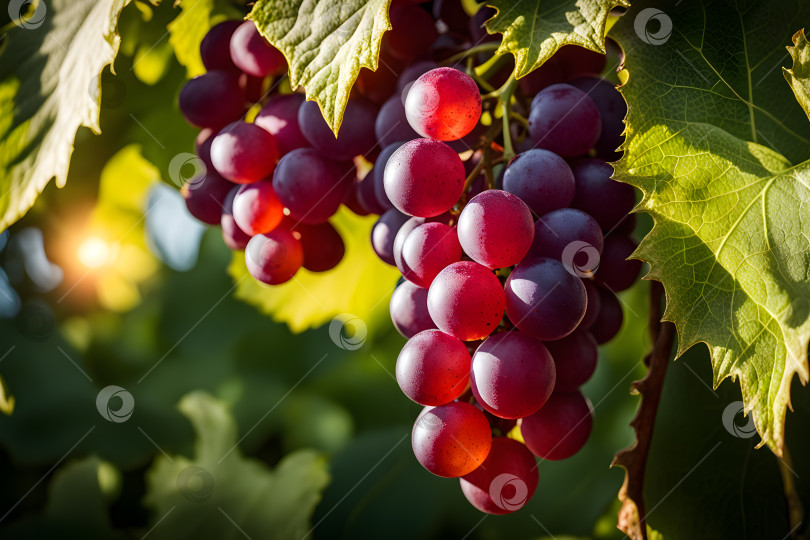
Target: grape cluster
point(510, 263)
point(510, 269)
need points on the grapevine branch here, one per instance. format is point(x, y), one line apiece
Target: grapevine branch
point(632, 518)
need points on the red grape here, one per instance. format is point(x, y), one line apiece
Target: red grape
point(561, 428)
point(443, 104)
point(575, 358)
point(279, 117)
point(256, 208)
point(253, 54)
point(275, 257)
point(433, 368)
point(427, 250)
point(244, 153)
point(505, 481)
point(409, 311)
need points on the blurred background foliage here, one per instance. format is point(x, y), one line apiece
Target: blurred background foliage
point(242, 427)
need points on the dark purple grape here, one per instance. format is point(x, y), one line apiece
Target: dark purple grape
point(279, 117)
point(322, 244)
point(205, 196)
point(212, 100)
point(452, 13)
point(356, 135)
point(610, 317)
point(215, 48)
point(561, 428)
point(594, 305)
point(202, 146)
point(565, 120)
point(477, 29)
point(512, 375)
point(577, 61)
point(309, 185)
point(542, 179)
point(615, 270)
point(413, 72)
point(544, 299)
point(235, 238)
point(379, 174)
point(412, 34)
point(612, 110)
point(599, 196)
point(575, 358)
point(391, 125)
point(384, 232)
point(409, 311)
point(570, 236)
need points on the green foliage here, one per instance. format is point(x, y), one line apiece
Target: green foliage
point(360, 285)
point(533, 31)
point(798, 76)
point(187, 30)
point(730, 242)
point(49, 87)
point(326, 44)
point(221, 494)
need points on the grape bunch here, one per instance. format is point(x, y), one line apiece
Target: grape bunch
point(511, 237)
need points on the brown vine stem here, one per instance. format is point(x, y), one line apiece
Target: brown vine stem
point(632, 515)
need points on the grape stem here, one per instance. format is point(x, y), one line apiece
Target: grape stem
point(505, 99)
point(632, 515)
point(484, 47)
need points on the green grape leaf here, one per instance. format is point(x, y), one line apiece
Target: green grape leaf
point(50, 69)
point(798, 76)
point(325, 44)
point(360, 285)
point(188, 29)
point(712, 133)
point(220, 494)
point(533, 31)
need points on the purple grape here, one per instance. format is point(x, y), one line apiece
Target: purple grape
point(379, 174)
point(512, 375)
point(542, 179)
point(615, 270)
point(575, 358)
point(215, 48)
point(212, 100)
point(244, 153)
point(424, 178)
point(599, 196)
point(409, 311)
point(205, 196)
point(413, 32)
point(610, 317)
point(384, 232)
point(561, 428)
point(310, 186)
point(356, 135)
point(235, 238)
point(612, 110)
point(413, 72)
point(565, 120)
point(594, 305)
point(570, 236)
point(322, 244)
point(202, 146)
point(253, 54)
point(544, 299)
point(496, 229)
point(391, 125)
point(279, 117)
